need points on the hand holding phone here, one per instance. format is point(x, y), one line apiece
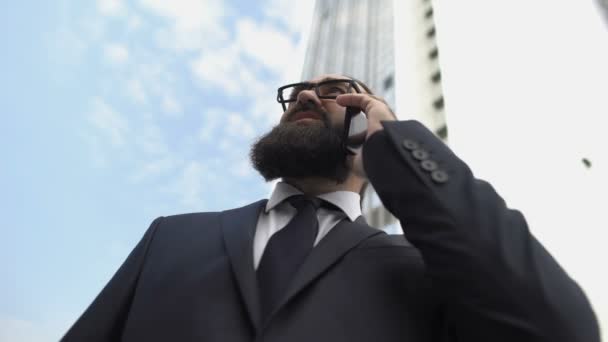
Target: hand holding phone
point(355, 130)
point(364, 116)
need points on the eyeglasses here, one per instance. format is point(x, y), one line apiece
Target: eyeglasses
point(329, 89)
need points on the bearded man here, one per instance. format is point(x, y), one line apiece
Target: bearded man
point(305, 266)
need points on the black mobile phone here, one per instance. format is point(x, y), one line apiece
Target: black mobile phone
point(355, 130)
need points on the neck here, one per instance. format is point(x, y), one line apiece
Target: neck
point(316, 186)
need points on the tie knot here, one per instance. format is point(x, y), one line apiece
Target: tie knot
point(300, 201)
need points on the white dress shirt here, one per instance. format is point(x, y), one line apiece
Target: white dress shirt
point(279, 212)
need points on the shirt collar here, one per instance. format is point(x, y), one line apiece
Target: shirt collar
point(348, 201)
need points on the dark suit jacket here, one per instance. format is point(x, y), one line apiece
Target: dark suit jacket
point(469, 270)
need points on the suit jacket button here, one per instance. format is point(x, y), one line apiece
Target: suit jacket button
point(439, 176)
point(428, 165)
point(410, 144)
point(420, 154)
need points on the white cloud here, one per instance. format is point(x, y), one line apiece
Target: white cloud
point(134, 22)
point(66, 48)
point(205, 133)
point(158, 157)
point(153, 168)
point(194, 23)
point(209, 127)
point(108, 122)
point(187, 14)
point(118, 250)
point(136, 91)
point(222, 68)
point(170, 105)
point(229, 69)
point(237, 67)
point(266, 110)
point(189, 185)
point(226, 146)
point(21, 330)
point(150, 140)
point(111, 7)
point(152, 84)
point(219, 123)
point(273, 48)
point(96, 155)
point(295, 15)
point(238, 126)
point(116, 53)
point(242, 168)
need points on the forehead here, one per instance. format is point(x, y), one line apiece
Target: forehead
point(327, 77)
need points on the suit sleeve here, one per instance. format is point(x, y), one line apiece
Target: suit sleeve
point(105, 318)
point(496, 281)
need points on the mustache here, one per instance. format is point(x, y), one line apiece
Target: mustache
point(306, 107)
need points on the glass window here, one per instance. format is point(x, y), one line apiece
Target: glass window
point(436, 77)
point(388, 82)
point(439, 103)
point(442, 132)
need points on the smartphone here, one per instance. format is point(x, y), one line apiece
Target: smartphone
point(355, 130)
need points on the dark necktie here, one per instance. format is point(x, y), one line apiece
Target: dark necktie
point(286, 251)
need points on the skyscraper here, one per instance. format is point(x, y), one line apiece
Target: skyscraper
point(390, 45)
point(603, 7)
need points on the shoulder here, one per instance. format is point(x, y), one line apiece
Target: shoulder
point(197, 223)
point(388, 241)
point(395, 243)
point(183, 220)
point(198, 219)
point(393, 253)
point(183, 229)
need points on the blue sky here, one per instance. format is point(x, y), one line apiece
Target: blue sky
point(114, 113)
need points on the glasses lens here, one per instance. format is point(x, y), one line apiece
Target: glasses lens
point(325, 90)
point(290, 94)
point(331, 89)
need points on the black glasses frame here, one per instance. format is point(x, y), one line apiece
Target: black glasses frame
point(315, 86)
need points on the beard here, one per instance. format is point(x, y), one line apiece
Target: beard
point(292, 150)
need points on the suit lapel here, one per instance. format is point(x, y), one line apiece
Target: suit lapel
point(342, 238)
point(239, 227)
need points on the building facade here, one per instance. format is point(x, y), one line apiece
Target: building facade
point(391, 46)
point(603, 5)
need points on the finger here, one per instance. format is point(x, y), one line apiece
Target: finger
point(355, 100)
point(366, 102)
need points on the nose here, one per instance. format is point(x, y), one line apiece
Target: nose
point(308, 97)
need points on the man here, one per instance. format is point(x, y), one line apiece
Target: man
point(304, 266)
